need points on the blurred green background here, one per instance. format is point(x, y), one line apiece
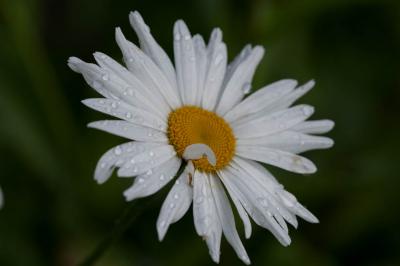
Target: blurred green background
point(55, 213)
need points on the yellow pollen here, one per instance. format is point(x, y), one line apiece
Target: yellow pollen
point(189, 125)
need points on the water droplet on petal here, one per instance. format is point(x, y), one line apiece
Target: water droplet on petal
point(177, 182)
point(114, 105)
point(307, 111)
point(176, 196)
point(218, 59)
point(140, 180)
point(172, 205)
point(117, 150)
point(133, 161)
point(162, 177)
point(128, 115)
point(177, 37)
point(199, 200)
point(149, 172)
point(103, 165)
point(130, 59)
point(151, 154)
point(162, 224)
point(105, 76)
point(246, 88)
point(187, 37)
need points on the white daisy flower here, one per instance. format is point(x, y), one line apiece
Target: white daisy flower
point(196, 113)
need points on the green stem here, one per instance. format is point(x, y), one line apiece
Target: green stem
point(122, 224)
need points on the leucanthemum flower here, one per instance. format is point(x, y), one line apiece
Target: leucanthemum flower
point(195, 112)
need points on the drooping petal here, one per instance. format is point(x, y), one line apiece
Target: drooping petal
point(285, 160)
point(260, 99)
point(185, 63)
point(143, 162)
point(272, 123)
point(240, 80)
point(314, 127)
point(153, 49)
point(153, 180)
point(156, 84)
point(226, 218)
point(127, 112)
point(249, 197)
point(242, 213)
point(118, 156)
point(130, 131)
point(205, 217)
point(289, 141)
point(177, 202)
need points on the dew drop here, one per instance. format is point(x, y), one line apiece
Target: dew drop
point(177, 182)
point(140, 180)
point(307, 111)
point(114, 105)
point(117, 150)
point(130, 59)
point(135, 169)
point(172, 205)
point(218, 59)
point(103, 165)
point(133, 160)
point(176, 196)
point(246, 88)
point(199, 200)
point(105, 76)
point(177, 37)
point(128, 115)
point(151, 154)
point(149, 172)
point(187, 37)
point(162, 177)
point(162, 224)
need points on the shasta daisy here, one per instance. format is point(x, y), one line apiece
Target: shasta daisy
point(195, 112)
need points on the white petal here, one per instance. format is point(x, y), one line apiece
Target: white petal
point(242, 213)
point(197, 151)
point(260, 99)
point(117, 156)
point(201, 65)
point(217, 60)
point(126, 112)
point(204, 214)
point(246, 51)
point(290, 98)
point(272, 123)
point(153, 49)
point(111, 85)
point(157, 85)
point(289, 141)
point(269, 185)
point(147, 160)
point(281, 159)
point(227, 219)
point(153, 180)
point(185, 63)
point(248, 196)
point(177, 202)
point(130, 131)
point(240, 80)
point(314, 127)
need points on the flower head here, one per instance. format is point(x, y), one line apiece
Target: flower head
point(194, 112)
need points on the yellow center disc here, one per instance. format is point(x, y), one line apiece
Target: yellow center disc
point(190, 125)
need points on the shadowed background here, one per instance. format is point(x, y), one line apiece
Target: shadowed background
point(55, 213)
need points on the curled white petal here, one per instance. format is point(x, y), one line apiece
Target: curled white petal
point(197, 151)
